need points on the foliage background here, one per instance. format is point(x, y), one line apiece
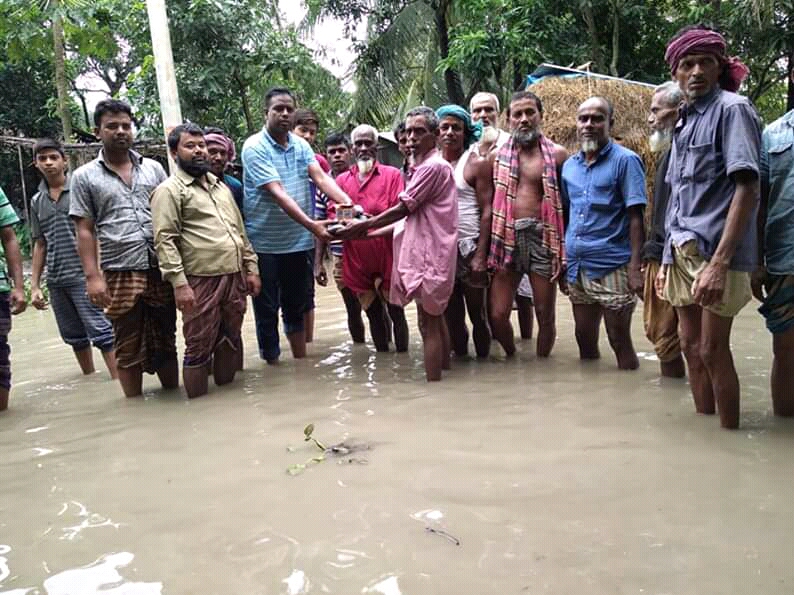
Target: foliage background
point(228, 52)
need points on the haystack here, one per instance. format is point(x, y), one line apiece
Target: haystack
point(562, 96)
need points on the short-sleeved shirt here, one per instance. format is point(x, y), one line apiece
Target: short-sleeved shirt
point(600, 194)
point(321, 212)
point(49, 220)
point(777, 181)
point(377, 193)
point(269, 228)
point(426, 249)
point(717, 135)
point(8, 216)
point(122, 214)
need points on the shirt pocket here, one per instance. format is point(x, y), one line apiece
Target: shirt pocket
point(780, 160)
point(601, 196)
point(700, 163)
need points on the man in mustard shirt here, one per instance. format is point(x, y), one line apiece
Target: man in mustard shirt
point(204, 253)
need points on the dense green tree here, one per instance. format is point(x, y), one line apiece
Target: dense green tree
point(406, 58)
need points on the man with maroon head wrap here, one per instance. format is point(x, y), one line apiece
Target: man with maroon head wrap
point(711, 244)
point(221, 153)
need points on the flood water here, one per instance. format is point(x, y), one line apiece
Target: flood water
point(535, 476)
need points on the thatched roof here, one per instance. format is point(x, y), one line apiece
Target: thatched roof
point(562, 96)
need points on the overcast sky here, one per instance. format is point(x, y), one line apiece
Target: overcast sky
point(328, 36)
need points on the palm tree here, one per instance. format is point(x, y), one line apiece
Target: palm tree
point(396, 64)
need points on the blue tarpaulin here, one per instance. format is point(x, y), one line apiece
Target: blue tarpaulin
point(546, 70)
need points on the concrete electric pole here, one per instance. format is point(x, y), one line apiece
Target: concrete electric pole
point(164, 65)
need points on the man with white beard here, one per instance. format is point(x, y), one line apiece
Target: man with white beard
point(659, 317)
point(605, 184)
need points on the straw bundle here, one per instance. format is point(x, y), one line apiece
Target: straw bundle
point(562, 96)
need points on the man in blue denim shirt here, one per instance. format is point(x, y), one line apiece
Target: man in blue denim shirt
point(776, 224)
point(711, 248)
point(605, 184)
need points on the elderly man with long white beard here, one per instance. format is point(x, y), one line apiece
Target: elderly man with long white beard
point(659, 316)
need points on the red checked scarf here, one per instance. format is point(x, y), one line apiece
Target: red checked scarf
point(505, 175)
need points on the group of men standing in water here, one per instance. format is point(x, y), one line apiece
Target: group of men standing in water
point(473, 211)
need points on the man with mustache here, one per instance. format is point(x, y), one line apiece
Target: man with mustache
point(659, 317)
point(527, 230)
point(110, 202)
point(474, 184)
point(367, 263)
point(484, 108)
point(221, 153)
point(80, 322)
point(205, 255)
point(605, 184)
point(711, 245)
point(425, 238)
point(278, 170)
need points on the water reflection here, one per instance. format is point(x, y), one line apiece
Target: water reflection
point(100, 578)
point(554, 476)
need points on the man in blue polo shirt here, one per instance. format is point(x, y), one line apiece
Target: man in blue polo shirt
point(605, 184)
point(278, 168)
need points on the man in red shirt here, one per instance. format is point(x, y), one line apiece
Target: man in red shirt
point(367, 263)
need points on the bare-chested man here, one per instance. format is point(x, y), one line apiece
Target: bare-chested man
point(474, 184)
point(527, 232)
point(484, 108)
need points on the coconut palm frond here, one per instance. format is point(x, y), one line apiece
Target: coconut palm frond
point(392, 70)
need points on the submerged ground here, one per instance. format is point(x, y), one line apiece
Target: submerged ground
point(535, 476)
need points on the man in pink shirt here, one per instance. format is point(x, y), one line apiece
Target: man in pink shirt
point(367, 264)
point(425, 239)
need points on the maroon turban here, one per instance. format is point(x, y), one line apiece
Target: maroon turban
point(706, 41)
point(223, 140)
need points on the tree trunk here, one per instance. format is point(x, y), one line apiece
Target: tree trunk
point(60, 73)
point(452, 80)
point(790, 99)
point(592, 33)
point(613, 65)
point(249, 121)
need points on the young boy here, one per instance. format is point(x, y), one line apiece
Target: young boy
point(80, 322)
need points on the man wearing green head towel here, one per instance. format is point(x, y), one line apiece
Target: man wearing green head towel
point(474, 185)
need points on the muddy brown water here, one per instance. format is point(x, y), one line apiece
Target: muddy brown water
point(554, 476)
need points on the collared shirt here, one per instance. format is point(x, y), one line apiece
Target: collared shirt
point(654, 245)
point(49, 220)
point(377, 192)
point(198, 230)
point(237, 189)
point(270, 229)
point(717, 135)
point(122, 214)
point(777, 182)
point(600, 194)
point(426, 250)
point(8, 216)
